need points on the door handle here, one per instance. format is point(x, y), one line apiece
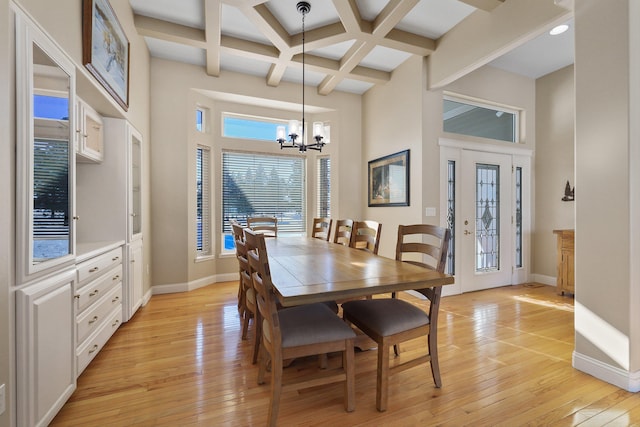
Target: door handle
point(466, 232)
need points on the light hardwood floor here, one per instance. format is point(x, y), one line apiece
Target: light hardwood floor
point(505, 359)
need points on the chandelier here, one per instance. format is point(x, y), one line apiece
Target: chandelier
point(297, 127)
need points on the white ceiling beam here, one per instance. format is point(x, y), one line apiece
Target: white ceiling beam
point(408, 42)
point(392, 13)
point(486, 5)
point(168, 31)
point(268, 25)
point(349, 15)
point(212, 20)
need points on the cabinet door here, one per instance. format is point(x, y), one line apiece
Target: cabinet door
point(135, 277)
point(135, 184)
point(90, 134)
point(45, 166)
point(45, 354)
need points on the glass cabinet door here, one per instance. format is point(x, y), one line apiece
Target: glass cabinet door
point(45, 87)
point(135, 184)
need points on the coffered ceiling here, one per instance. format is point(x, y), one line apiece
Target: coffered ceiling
point(350, 45)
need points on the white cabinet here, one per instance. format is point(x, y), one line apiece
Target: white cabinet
point(135, 277)
point(45, 347)
point(98, 300)
point(89, 133)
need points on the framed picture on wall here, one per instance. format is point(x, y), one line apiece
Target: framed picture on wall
point(105, 49)
point(389, 180)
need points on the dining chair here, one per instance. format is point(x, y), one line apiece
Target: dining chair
point(321, 228)
point(300, 331)
point(342, 234)
point(238, 233)
point(249, 305)
point(366, 235)
point(267, 225)
point(389, 321)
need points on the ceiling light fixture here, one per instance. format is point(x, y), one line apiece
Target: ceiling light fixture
point(297, 128)
point(559, 29)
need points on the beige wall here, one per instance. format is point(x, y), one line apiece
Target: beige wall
point(392, 123)
point(555, 113)
point(607, 159)
point(7, 220)
point(176, 91)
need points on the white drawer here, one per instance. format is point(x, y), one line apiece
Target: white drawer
point(94, 267)
point(86, 352)
point(92, 292)
point(94, 316)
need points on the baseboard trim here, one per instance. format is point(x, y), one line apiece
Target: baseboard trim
point(545, 280)
point(626, 380)
point(172, 288)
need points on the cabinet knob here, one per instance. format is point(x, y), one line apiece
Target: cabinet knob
point(94, 269)
point(94, 293)
point(93, 349)
point(115, 323)
point(92, 321)
point(77, 217)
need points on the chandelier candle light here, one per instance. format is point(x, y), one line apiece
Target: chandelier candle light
point(295, 128)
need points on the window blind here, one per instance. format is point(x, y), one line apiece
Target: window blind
point(324, 187)
point(50, 188)
point(256, 184)
point(203, 208)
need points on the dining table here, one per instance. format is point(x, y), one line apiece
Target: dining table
point(306, 270)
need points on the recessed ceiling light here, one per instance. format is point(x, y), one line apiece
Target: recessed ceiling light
point(559, 29)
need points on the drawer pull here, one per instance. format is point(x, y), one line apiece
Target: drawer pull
point(93, 349)
point(92, 321)
point(116, 277)
point(76, 296)
point(115, 258)
point(93, 270)
point(116, 299)
point(115, 323)
point(94, 293)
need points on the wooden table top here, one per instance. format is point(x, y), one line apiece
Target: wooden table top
point(306, 270)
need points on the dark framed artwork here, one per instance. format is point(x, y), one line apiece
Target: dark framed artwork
point(105, 49)
point(389, 180)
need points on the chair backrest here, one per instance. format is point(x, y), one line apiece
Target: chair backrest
point(261, 276)
point(366, 235)
point(238, 230)
point(267, 225)
point(432, 242)
point(343, 231)
point(321, 228)
point(241, 254)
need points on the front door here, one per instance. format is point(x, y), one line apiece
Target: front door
point(484, 221)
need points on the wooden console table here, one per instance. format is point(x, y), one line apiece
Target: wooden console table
point(565, 261)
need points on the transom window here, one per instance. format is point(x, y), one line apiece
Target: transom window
point(250, 127)
point(474, 119)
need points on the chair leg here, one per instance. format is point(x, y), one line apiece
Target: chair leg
point(348, 364)
point(276, 389)
point(263, 359)
point(433, 353)
point(240, 297)
point(257, 338)
point(245, 323)
point(383, 378)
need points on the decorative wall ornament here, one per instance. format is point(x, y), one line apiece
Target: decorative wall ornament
point(568, 193)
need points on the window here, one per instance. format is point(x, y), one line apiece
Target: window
point(51, 208)
point(451, 216)
point(474, 119)
point(324, 187)
point(263, 185)
point(518, 216)
point(200, 124)
point(203, 201)
point(236, 126)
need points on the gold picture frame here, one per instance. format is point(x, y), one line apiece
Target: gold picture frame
point(105, 49)
point(389, 180)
